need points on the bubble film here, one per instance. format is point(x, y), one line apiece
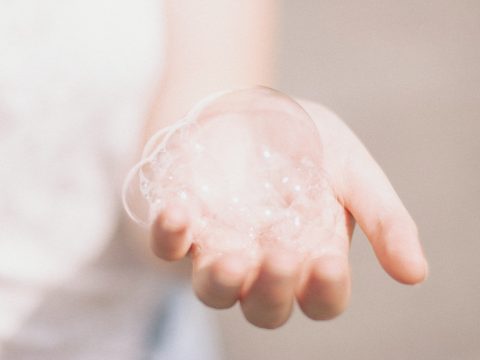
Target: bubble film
point(247, 165)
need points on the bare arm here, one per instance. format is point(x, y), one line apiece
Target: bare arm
point(212, 46)
point(228, 45)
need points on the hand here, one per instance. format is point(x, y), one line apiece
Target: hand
point(267, 288)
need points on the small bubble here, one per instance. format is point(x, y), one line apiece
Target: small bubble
point(198, 147)
point(144, 184)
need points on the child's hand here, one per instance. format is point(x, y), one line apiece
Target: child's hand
point(320, 283)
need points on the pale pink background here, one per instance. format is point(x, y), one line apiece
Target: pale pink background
point(405, 75)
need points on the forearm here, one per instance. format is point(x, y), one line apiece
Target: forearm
point(228, 44)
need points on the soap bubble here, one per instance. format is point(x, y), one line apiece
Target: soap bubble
point(247, 164)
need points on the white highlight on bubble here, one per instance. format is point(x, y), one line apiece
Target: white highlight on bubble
point(296, 221)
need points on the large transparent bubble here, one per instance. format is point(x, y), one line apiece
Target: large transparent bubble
point(247, 165)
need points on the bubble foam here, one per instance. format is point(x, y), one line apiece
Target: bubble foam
point(246, 164)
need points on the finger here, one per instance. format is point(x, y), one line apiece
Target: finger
point(373, 202)
point(218, 281)
point(268, 301)
point(170, 239)
point(324, 289)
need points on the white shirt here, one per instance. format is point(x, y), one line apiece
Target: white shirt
point(76, 80)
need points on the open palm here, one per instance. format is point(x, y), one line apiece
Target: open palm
point(318, 276)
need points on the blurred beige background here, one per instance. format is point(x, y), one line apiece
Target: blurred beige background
point(405, 75)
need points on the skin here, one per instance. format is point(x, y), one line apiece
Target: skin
point(267, 289)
